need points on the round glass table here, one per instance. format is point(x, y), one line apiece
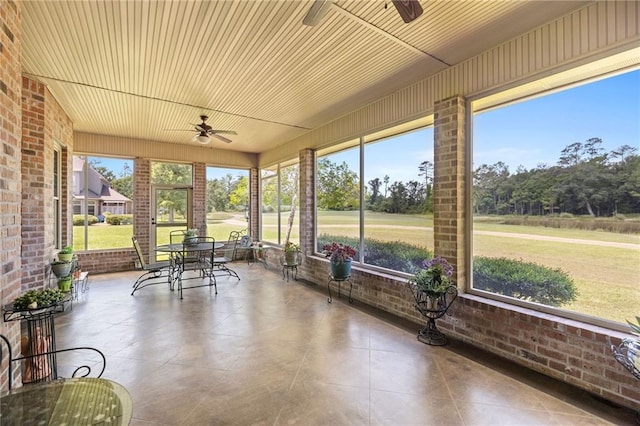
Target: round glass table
point(78, 401)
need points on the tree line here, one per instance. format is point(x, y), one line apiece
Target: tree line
point(587, 180)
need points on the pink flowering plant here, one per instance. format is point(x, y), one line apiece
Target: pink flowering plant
point(338, 252)
point(435, 276)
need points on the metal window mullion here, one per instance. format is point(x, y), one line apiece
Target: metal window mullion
point(362, 201)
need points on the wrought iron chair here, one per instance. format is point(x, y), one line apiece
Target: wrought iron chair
point(196, 256)
point(231, 246)
point(176, 236)
point(155, 273)
point(42, 366)
point(222, 258)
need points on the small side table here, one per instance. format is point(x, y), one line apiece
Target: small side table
point(258, 254)
point(290, 268)
point(339, 281)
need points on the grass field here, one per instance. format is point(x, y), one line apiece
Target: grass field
point(607, 277)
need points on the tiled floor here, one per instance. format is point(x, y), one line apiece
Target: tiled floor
point(269, 352)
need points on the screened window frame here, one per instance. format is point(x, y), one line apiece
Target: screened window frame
point(546, 89)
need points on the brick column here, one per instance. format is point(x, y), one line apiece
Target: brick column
point(254, 204)
point(142, 203)
point(200, 198)
point(37, 187)
point(449, 186)
point(306, 190)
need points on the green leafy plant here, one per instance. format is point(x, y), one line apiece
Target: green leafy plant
point(291, 247)
point(434, 277)
point(34, 299)
point(635, 327)
point(66, 250)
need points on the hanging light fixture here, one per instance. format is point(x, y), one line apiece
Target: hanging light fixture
point(203, 138)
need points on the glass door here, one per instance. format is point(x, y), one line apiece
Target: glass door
point(172, 213)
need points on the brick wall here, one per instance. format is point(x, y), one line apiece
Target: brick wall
point(142, 203)
point(37, 187)
point(254, 203)
point(10, 170)
point(200, 198)
point(44, 125)
point(99, 262)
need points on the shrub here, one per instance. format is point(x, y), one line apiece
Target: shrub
point(523, 280)
point(394, 255)
point(119, 219)
point(78, 220)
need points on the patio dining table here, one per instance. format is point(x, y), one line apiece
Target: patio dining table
point(182, 254)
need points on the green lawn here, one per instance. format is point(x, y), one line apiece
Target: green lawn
point(607, 278)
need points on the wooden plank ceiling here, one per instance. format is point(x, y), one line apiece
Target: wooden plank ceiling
point(139, 68)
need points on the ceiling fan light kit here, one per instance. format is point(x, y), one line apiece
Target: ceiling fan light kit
point(205, 132)
point(203, 138)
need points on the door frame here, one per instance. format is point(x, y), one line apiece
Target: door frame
point(153, 225)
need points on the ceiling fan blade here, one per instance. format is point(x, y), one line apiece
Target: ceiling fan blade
point(316, 12)
point(408, 9)
point(221, 138)
point(178, 130)
point(224, 132)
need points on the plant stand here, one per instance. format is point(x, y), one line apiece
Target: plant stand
point(339, 280)
point(432, 308)
point(625, 355)
point(40, 339)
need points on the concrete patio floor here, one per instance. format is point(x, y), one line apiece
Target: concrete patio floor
point(264, 351)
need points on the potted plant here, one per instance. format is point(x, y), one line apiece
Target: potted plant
point(291, 251)
point(34, 299)
point(433, 279)
point(61, 268)
point(66, 254)
point(190, 236)
point(340, 256)
point(433, 293)
point(64, 283)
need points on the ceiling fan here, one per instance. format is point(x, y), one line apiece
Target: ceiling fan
point(205, 132)
point(408, 10)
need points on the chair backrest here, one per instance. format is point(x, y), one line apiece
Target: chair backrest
point(190, 259)
point(33, 361)
point(176, 236)
point(234, 236)
point(136, 245)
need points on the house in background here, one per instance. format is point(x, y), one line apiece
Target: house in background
point(100, 197)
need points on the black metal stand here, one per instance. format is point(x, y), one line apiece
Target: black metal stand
point(339, 280)
point(432, 307)
point(41, 339)
point(293, 269)
point(622, 354)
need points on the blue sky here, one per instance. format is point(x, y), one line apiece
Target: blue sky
point(527, 133)
point(535, 131)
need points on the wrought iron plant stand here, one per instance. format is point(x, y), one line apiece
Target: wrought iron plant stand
point(432, 307)
point(626, 353)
